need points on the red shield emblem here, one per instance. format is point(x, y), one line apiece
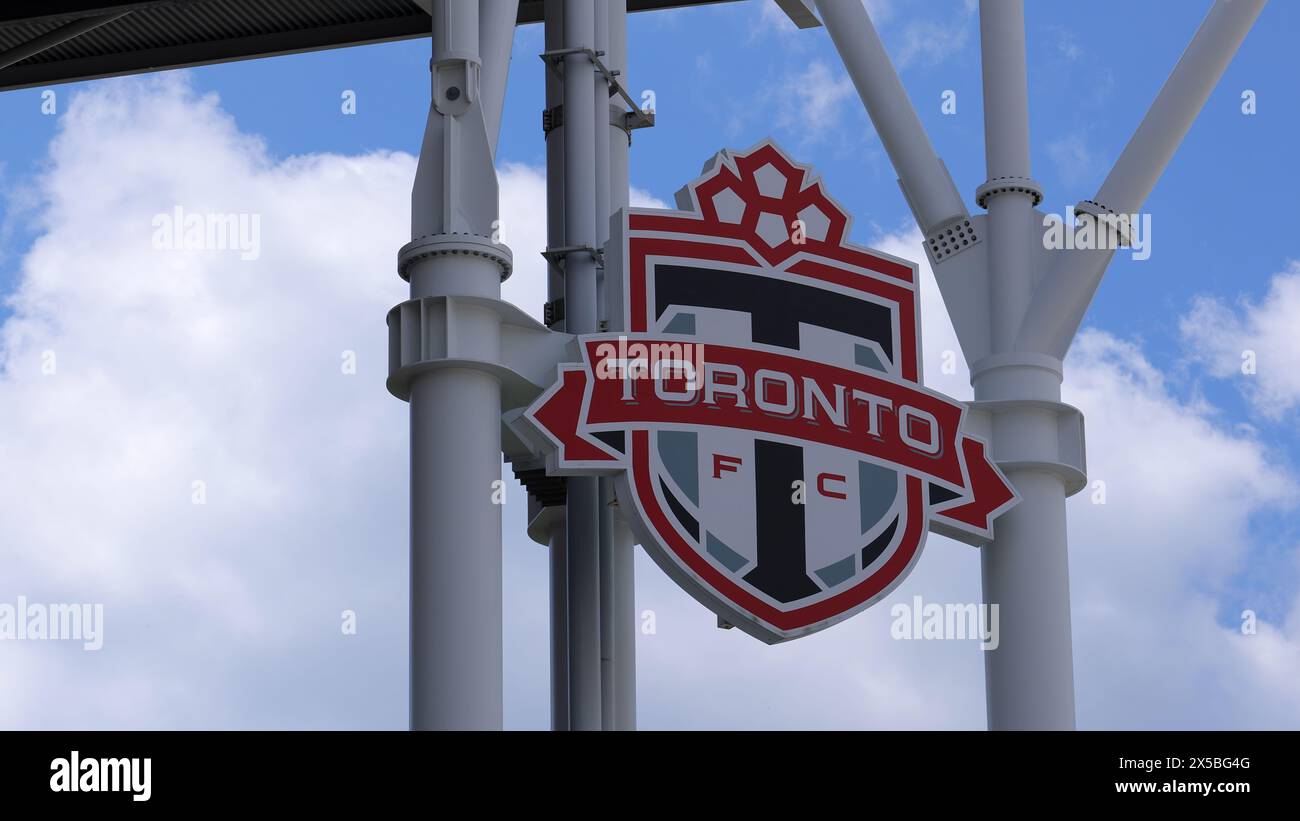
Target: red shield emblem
point(759, 399)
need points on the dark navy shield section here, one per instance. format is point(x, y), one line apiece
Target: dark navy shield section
point(814, 517)
point(780, 536)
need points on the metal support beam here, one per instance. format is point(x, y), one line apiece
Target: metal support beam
point(800, 13)
point(599, 125)
point(495, 41)
point(455, 630)
point(1006, 146)
point(1029, 678)
point(60, 35)
point(925, 181)
point(1061, 301)
point(580, 312)
point(557, 538)
point(621, 551)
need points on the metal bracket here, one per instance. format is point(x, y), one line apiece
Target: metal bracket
point(800, 13)
point(552, 118)
point(553, 311)
point(556, 256)
point(951, 237)
point(629, 121)
point(421, 337)
point(546, 491)
point(554, 60)
point(1065, 457)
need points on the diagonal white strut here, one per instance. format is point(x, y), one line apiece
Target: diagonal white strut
point(1015, 332)
point(1058, 308)
point(925, 181)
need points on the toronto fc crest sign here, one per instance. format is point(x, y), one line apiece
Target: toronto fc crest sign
point(758, 400)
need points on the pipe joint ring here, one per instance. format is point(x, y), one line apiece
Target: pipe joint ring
point(446, 244)
point(1110, 218)
point(1008, 185)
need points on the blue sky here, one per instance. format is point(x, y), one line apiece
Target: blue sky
point(732, 74)
point(1165, 332)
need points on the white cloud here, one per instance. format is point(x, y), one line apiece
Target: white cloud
point(1067, 48)
point(1263, 335)
point(771, 19)
point(925, 37)
point(812, 103)
point(1152, 567)
point(927, 42)
point(174, 367)
point(1075, 160)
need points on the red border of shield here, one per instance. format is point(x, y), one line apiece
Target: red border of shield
point(686, 235)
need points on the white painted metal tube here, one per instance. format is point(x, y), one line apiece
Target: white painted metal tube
point(455, 606)
point(456, 645)
point(1063, 298)
point(1029, 669)
point(583, 492)
point(608, 607)
point(1006, 88)
point(579, 169)
point(1175, 108)
point(599, 123)
point(583, 577)
point(623, 547)
point(496, 36)
point(1029, 677)
point(1006, 147)
point(608, 597)
point(625, 626)
point(553, 38)
point(559, 585)
point(930, 190)
point(553, 24)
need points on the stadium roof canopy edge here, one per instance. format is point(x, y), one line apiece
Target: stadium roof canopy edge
point(44, 42)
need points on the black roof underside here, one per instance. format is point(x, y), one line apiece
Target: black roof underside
point(61, 41)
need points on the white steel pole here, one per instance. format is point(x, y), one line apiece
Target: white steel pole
point(583, 492)
point(605, 537)
point(1029, 677)
point(1006, 146)
point(455, 629)
point(623, 546)
point(926, 183)
point(553, 23)
point(1058, 308)
point(599, 123)
point(495, 40)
